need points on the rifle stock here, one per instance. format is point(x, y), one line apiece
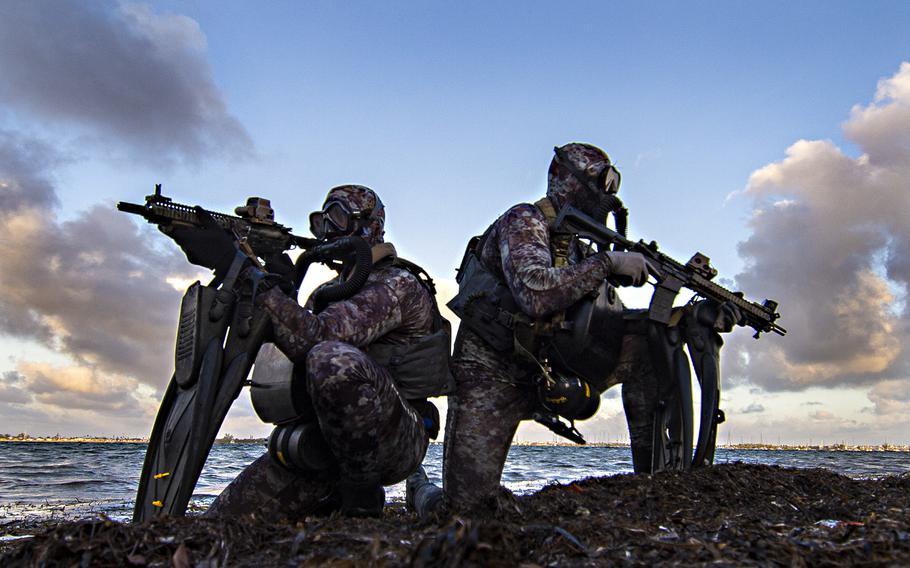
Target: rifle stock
point(695, 275)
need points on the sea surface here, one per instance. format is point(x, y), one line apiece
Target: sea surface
point(42, 481)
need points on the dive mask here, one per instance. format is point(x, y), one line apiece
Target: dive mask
point(334, 220)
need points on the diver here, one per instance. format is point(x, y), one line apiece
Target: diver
point(356, 356)
point(517, 281)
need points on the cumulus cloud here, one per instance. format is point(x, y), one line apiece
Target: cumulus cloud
point(830, 240)
point(92, 287)
point(822, 415)
point(12, 388)
point(753, 408)
point(123, 73)
point(25, 162)
point(892, 398)
point(96, 287)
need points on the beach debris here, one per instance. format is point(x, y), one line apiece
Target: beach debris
point(181, 557)
point(718, 515)
point(11, 537)
point(832, 524)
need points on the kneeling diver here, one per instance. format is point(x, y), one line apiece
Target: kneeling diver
point(367, 362)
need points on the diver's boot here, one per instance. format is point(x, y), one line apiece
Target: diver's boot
point(642, 458)
point(362, 498)
point(421, 496)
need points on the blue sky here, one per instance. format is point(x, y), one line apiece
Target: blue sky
point(446, 106)
point(451, 110)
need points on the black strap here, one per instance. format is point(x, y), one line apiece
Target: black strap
point(422, 275)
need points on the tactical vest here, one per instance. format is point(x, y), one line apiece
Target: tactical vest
point(421, 368)
point(584, 339)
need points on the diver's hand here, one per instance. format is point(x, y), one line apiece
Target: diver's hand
point(280, 264)
point(209, 245)
point(256, 281)
point(720, 317)
point(632, 265)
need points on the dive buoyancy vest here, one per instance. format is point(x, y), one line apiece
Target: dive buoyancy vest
point(420, 368)
point(585, 339)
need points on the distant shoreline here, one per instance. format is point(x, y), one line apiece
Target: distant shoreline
point(233, 440)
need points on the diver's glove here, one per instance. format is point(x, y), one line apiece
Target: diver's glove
point(719, 317)
point(257, 282)
point(209, 245)
point(632, 265)
point(429, 414)
point(280, 264)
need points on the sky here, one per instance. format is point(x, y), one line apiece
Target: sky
point(772, 137)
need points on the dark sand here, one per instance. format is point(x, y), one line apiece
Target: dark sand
point(727, 515)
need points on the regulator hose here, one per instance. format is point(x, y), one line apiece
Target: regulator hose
point(613, 204)
point(337, 250)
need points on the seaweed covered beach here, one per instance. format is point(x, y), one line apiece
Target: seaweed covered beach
point(731, 514)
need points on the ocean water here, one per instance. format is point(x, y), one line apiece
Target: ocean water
point(40, 481)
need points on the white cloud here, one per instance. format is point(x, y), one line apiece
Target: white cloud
point(96, 290)
point(830, 241)
point(134, 80)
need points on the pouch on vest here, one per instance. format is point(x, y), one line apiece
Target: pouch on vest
point(484, 303)
point(420, 368)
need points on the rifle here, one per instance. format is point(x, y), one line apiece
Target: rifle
point(695, 275)
point(254, 226)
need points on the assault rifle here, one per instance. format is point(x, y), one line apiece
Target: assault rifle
point(254, 225)
point(695, 275)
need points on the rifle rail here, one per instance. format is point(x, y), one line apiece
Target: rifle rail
point(162, 210)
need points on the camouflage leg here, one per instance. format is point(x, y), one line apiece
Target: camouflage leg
point(267, 488)
point(639, 396)
point(483, 416)
point(370, 429)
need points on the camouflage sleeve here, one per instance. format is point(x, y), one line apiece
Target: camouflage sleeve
point(359, 320)
point(538, 287)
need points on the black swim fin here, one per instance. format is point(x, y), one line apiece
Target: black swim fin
point(209, 375)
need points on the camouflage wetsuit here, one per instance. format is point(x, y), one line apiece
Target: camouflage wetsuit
point(371, 430)
point(546, 273)
point(493, 392)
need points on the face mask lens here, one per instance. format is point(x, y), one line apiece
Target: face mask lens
point(317, 224)
point(611, 180)
point(338, 216)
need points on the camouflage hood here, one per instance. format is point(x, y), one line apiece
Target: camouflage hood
point(564, 188)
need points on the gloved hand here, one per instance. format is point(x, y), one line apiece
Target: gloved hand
point(721, 317)
point(632, 265)
point(280, 264)
point(430, 415)
point(258, 282)
point(209, 245)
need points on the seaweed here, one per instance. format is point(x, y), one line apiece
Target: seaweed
point(727, 515)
